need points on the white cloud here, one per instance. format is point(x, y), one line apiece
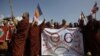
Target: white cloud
point(30, 20)
point(1, 16)
point(39, 22)
point(19, 18)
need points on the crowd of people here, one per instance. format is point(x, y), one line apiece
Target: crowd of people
point(25, 37)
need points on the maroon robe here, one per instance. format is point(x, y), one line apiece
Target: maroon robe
point(91, 37)
point(19, 38)
point(35, 39)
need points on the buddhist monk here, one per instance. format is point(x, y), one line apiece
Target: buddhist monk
point(91, 36)
point(35, 38)
point(19, 38)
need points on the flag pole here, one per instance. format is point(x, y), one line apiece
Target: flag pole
point(11, 8)
point(95, 15)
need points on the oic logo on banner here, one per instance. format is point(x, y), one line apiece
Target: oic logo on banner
point(1, 33)
point(55, 37)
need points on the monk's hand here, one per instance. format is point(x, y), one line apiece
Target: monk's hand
point(38, 55)
point(65, 26)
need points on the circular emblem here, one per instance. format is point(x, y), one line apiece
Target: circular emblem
point(67, 37)
point(1, 32)
point(55, 37)
point(61, 50)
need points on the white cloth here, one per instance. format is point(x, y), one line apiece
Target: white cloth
point(62, 42)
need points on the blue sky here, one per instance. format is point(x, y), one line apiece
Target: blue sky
point(52, 9)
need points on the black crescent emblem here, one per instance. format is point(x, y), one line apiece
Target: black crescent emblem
point(68, 39)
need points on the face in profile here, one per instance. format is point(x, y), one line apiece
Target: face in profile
point(5, 22)
point(25, 15)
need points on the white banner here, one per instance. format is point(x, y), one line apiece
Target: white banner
point(62, 42)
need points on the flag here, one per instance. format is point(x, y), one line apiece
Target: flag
point(8, 36)
point(82, 15)
point(38, 12)
point(95, 8)
point(3, 33)
point(11, 30)
point(62, 42)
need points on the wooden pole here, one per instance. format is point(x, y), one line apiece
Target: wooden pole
point(11, 8)
point(95, 15)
